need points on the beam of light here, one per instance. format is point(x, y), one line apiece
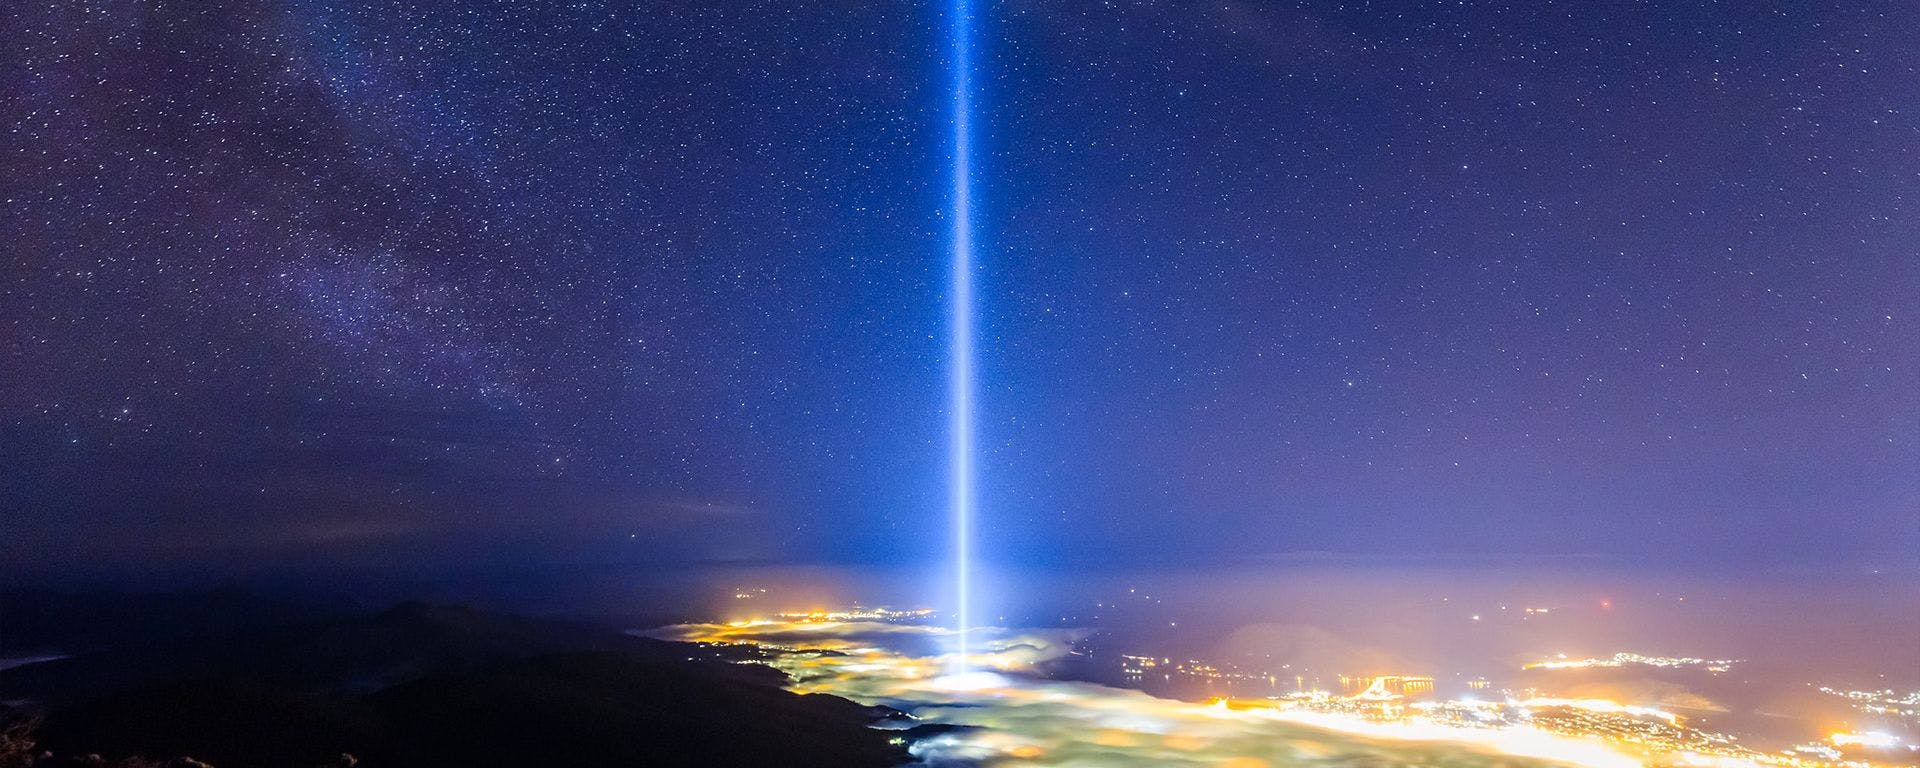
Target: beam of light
point(960, 377)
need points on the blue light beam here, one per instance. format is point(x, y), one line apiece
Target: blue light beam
point(960, 375)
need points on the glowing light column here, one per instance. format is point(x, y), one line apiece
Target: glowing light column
point(960, 376)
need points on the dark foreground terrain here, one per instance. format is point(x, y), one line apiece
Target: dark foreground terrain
point(234, 682)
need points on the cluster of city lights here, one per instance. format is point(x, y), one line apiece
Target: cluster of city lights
point(1142, 665)
point(1624, 659)
point(1882, 702)
point(858, 614)
point(1661, 737)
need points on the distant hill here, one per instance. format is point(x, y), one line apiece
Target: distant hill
point(35, 622)
point(424, 685)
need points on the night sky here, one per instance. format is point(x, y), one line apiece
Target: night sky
point(501, 284)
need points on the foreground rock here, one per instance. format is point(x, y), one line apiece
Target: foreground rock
point(432, 686)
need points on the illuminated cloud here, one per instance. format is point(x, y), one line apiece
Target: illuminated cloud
point(1011, 717)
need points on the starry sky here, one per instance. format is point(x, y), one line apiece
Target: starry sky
point(495, 284)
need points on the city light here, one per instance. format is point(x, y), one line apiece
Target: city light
point(1873, 740)
point(1624, 659)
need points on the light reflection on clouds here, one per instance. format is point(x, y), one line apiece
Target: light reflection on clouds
point(1010, 716)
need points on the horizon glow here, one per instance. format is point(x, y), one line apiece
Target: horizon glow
point(960, 349)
